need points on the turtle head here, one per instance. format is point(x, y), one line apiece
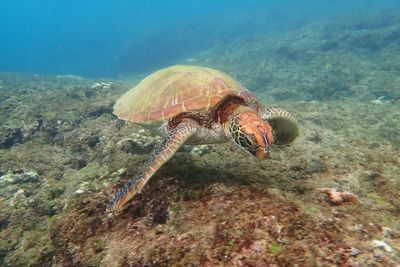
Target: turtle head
point(251, 133)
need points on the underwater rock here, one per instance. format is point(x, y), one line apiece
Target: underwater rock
point(17, 197)
point(386, 231)
point(93, 140)
point(381, 100)
point(368, 41)
point(382, 245)
point(77, 162)
point(89, 139)
point(31, 129)
point(82, 188)
point(131, 146)
point(41, 206)
point(3, 221)
point(328, 45)
point(200, 150)
point(55, 127)
point(51, 128)
point(18, 178)
point(102, 85)
point(99, 110)
point(288, 53)
point(10, 136)
point(80, 140)
point(55, 192)
point(118, 173)
point(139, 143)
point(355, 252)
point(315, 137)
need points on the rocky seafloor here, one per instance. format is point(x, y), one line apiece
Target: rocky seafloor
point(63, 155)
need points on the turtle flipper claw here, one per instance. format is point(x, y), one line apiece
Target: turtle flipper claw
point(175, 139)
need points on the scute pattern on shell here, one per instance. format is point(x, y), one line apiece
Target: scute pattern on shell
point(170, 91)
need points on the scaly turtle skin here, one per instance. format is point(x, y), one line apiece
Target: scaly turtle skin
point(199, 105)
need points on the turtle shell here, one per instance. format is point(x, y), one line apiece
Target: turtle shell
point(176, 89)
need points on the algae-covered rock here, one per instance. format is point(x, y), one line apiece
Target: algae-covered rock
point(18, 178)
point(10, 137)
point(139, 143)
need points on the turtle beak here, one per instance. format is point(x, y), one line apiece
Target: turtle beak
point(262, 153)
point(265, 142)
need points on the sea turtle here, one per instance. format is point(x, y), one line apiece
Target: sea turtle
point(199, 105)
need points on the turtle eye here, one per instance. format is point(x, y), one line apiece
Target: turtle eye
point(241, 138)
point(249, 141)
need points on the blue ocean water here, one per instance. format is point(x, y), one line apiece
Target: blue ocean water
point(112, 38)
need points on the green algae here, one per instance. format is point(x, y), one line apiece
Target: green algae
point(89, 169)
point(276, 249)
point(380, 201)
point(312, 209)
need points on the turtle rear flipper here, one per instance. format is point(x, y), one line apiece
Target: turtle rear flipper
point(175, 139)
point(284, 125)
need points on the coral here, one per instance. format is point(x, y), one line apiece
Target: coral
point(339, 198)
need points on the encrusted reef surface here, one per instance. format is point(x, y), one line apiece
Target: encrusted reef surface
point(63, 155)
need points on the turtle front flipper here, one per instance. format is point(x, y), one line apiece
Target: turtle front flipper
point(284, 125)
point(175, 139)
